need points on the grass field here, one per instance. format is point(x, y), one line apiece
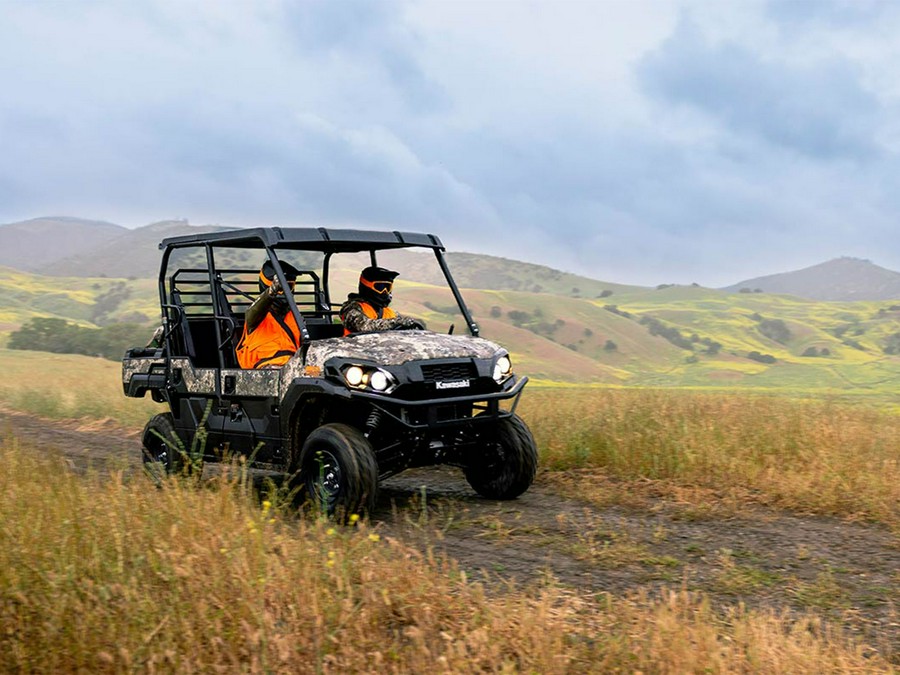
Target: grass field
point(561, 329)
point(809, 455)
point(67, 386)
point(98, 574)
point(104, 574)
point(817, 456)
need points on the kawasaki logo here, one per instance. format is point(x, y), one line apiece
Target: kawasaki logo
point(459, 384)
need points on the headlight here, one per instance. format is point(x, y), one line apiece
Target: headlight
point(369, 377)
point(378, 381)
point(502, 368)
point(354, 376)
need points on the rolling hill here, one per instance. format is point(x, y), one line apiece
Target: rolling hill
point(559, 327)
point(38, 244)
point(838, 279)
point(675, 336)
point(134, 253)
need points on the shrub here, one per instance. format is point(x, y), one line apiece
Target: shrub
point(621, 312)
point(775, 329)
point(762, 358)
point(58, 336)
point(518, 317)
point(854, 344)
point(712, 347)
point(108, 301)
point(673, 335)
point(892, 344)
point(610, 346)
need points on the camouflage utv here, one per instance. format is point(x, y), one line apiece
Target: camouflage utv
point(345, 411)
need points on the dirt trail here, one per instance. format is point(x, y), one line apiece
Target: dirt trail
point(848, 571)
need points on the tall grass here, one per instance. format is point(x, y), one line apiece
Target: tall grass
point(818, 456)
point(99, 574)
point(67, 386)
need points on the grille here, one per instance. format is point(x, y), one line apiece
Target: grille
point(448, 372)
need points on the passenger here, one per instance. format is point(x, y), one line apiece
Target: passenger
point(271, 335)
point(368, 311)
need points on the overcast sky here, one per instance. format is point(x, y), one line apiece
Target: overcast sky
point(632, 141)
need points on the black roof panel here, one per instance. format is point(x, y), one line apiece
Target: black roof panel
point(308, 239)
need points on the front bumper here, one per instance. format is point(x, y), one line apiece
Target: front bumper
point(434, 414)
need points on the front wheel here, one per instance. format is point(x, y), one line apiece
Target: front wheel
point(506, 468)
point(338, 471)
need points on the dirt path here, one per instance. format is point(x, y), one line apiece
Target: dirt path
point(850, 572)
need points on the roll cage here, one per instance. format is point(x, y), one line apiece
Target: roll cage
point(204, 306)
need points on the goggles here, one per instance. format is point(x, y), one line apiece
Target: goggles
point(380, 287)
point(268, 282)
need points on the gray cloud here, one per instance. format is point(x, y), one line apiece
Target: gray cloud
point(367, 31)
point(820, 110)
point(828, 12)
point(687, 153)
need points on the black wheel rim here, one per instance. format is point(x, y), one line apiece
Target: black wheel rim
point(158, 453)
point(324, 479)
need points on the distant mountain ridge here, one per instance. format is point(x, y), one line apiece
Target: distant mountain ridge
point(66, 246)
point(134, 253)
point(35, 245)
point(559, 327)
point(841, 279)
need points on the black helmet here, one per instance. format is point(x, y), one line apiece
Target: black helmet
point(267, 274)
point(376, 284)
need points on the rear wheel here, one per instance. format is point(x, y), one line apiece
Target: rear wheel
point(161, 447)
point(506, 468)
point(338, 471)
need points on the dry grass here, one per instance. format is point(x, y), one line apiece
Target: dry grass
point(103, 574)
point(67, 386)
point(818, 457)
point(715, 453)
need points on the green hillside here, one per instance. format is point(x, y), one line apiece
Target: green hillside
point(474, 270)
point(87, 301)
point(690, 336)
point(672, 336)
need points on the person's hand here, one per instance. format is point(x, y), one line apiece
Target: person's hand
point(275, 288)
point(414, 324)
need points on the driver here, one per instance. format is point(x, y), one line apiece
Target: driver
point(368, 311)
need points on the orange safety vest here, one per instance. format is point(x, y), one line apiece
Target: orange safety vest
point(372, 313)
point(270, 344)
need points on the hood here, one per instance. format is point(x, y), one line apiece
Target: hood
point(393, 348)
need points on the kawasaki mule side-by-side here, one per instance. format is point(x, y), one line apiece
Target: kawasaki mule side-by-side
point(345, 411)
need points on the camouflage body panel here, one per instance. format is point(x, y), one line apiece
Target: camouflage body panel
point(132, 367)
point(394, 348)
point(263, 382)
point(197, 380)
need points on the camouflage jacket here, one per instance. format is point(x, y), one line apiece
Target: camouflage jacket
point(355, 320)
